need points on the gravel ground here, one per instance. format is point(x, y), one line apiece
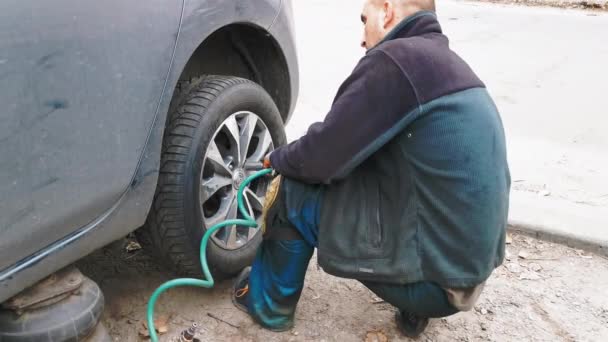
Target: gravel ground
point(543, 292)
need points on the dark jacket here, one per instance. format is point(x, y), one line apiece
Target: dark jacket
point(413, 160)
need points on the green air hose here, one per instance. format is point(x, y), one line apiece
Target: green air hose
point(208, 282)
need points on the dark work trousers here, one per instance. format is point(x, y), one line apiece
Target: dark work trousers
point(277, 276)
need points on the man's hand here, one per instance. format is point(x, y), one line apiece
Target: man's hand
point(267, 161)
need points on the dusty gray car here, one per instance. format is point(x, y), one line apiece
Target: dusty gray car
point(122, 114)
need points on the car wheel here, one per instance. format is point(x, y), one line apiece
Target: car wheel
point(217, 134)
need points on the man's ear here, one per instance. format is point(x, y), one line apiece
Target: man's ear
point(389, 13)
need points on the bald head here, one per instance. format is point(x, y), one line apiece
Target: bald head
point(380, 16)
point(408, 5)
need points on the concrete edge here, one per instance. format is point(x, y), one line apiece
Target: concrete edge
point(552, 235)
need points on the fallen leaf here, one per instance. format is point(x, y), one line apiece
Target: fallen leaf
point(376, 336)
point(143, 331)
point(160, 325)
point(132, 246)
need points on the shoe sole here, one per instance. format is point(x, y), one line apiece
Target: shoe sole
point(244, 273)
point(401, 327)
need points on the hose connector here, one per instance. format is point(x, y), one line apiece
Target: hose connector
point(189, 335)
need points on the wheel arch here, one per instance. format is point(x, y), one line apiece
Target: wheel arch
point(248, 51)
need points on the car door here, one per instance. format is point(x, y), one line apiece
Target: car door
point(80, 82)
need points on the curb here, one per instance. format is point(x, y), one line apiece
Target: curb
point(553, 235)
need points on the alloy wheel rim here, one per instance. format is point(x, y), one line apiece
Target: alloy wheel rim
point(235, 152)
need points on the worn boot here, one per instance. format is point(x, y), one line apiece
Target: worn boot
point(411, 325)
point(240, 290)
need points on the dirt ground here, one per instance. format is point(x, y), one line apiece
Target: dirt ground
point(543, 292)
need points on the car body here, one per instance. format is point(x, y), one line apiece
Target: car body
point(85, 88)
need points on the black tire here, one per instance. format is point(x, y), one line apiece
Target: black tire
point(175, 227)
point(70, 320)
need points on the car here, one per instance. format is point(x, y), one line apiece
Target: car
point(122, 115)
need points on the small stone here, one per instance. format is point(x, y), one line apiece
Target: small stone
point(523, 254)
point(484, 327)
point(508, 255)
point(514, 267)
point(545, 193)
point(509, 239)
point(535, 267)
point(484, 311)
point(529, 276)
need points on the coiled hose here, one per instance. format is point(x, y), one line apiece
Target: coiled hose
point(208, 282)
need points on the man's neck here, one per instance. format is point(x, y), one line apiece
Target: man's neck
point(402, 14)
